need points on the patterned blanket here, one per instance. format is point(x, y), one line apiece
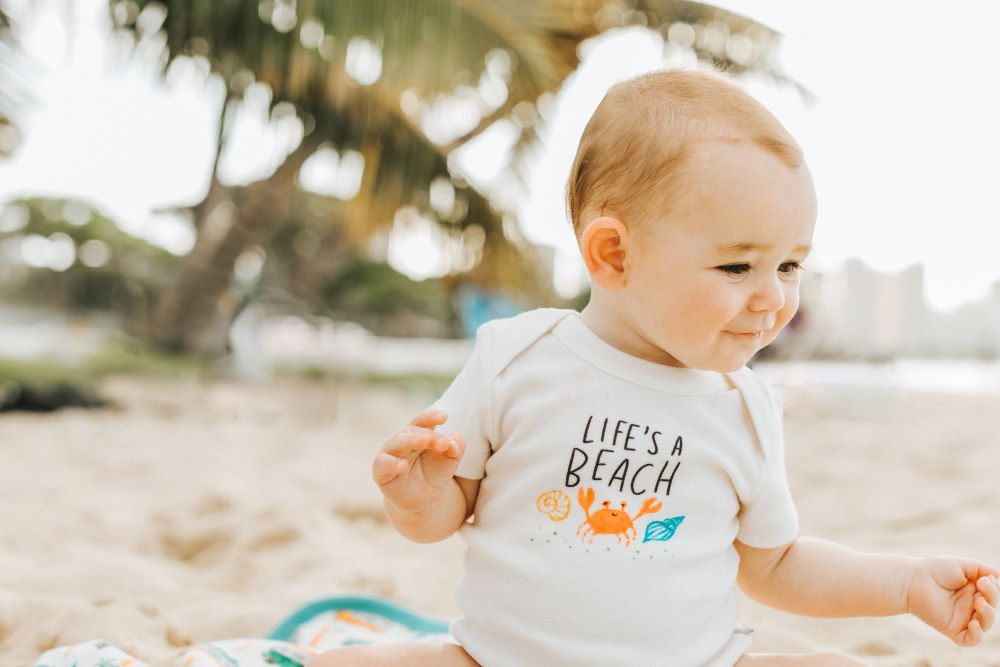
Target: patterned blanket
point(316, 627)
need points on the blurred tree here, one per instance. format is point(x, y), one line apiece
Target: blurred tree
point(8, 133)
point(372, 76)
point(65, 254)
point(345, 285)
point(385, 301)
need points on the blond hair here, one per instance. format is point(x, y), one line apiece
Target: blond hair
point(638, 138)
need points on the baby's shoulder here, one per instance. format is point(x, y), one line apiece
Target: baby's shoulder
point(502, 340)
point(538, 321)
point(764, 405)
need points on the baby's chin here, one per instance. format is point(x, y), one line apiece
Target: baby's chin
point(719, 356)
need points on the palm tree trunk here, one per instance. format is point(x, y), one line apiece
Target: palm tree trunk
point(194, 315)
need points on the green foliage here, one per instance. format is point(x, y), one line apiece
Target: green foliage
point(10, 97)
point(134, 273)
point(45, 384)
point(122, 357)
point(42, 372)
point(363, 286)
point(126, 356)
point(96, 289)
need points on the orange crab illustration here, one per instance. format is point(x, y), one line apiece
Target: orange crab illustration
point(607, 521)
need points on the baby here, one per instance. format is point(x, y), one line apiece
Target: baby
point(618, 473)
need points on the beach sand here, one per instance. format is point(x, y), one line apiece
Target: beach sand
point(194, 511)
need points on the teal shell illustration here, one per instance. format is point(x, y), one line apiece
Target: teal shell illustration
point(661, 531)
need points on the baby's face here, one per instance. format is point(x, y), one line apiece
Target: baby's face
point(717, 278)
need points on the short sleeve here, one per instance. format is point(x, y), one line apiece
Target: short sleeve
point(468, 402)
point(768, 519)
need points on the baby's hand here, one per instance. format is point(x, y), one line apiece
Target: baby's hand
point(956, 596)
point(415, 466)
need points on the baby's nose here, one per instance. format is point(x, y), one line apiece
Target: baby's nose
point(769, 296)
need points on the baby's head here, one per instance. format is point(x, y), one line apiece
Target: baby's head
point(694, 209)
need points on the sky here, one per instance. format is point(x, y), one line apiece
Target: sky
point(901, 139)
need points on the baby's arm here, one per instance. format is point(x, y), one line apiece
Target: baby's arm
point(415, 470)
point(955, 596)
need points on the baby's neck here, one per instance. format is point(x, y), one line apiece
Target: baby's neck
point(598, 315)
point(613, 326)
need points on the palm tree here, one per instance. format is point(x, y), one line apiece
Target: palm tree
point(8, 134)
point(502, 56)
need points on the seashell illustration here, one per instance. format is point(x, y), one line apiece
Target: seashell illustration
point(661, 531)
point(554, 503)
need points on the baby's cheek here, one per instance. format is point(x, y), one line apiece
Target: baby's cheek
point(791, 302)
point(784, 316)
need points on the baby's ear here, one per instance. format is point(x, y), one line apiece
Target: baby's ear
point(603, 244)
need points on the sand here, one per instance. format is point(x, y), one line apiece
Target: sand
point(196, 511)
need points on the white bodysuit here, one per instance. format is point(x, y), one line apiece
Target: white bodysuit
point(612, 491)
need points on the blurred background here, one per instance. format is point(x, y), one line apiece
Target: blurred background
point(258, 234)
point(331, 187)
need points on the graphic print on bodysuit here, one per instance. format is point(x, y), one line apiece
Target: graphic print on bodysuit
point(628, 450)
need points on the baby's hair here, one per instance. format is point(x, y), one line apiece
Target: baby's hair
point(632, 150)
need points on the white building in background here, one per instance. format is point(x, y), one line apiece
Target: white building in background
point(973, 329)
point(858, 312)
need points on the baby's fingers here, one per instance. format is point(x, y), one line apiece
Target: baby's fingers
point(973, 634)
point(413, 440)
point(990, 589)
point(429, 418)
point(387, 467)
point(456, 446)
point(986, 613)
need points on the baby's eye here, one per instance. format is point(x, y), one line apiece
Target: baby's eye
point(789, 268)
point(735, 269)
